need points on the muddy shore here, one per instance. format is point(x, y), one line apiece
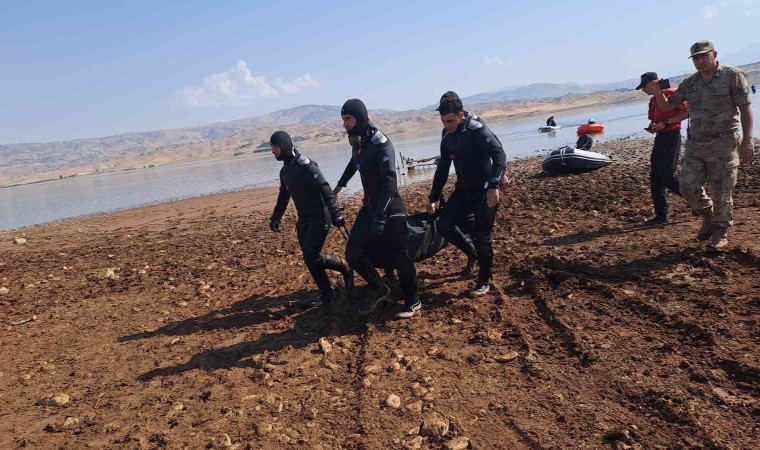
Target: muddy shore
point(176, 326)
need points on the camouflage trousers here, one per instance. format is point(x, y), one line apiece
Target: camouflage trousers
point(718, 161)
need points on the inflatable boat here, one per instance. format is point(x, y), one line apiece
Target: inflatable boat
point(590, 128)
point(569, 160)
point(548, 129)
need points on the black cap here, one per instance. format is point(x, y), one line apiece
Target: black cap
point(450, 103)
point(646, 78)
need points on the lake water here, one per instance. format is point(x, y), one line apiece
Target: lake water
point(73, 197)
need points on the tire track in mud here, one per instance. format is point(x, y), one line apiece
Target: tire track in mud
point(553, 318)
point(351, 370)
point(674, 411)
point(688, 334)
point(502, 299)
point(527, 347)
point(696, 341)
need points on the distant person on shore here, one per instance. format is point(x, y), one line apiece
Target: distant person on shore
point(381, 222)
point(717, 95)
point(479, 161)
point(585, 142)
point(753, 89)
point(550, 122)
point(301, 179)
point(666, 150)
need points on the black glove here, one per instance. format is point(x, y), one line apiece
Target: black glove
point(274, 224)
point(376, 229)
point(339, 221)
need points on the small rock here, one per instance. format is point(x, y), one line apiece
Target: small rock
point(3, 290)
point(415, 407)
point(458, 443)
point(433, 351)
point(434, 426)
point(618, 434)
point(395, 367)
point(70, 422)
point(263, 428)
point(330, 365)
point(324, 344)
point(366, 382)
point(224, 441)
point(506, 357)
point(292, 434)
point(393, 401)
point(53, 400)
point(177, 406)
point(414, 443)
point(725, 397)
point(19, 241)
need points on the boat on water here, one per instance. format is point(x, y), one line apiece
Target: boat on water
point(590, 128)
point(548, 129)
point(570, 160)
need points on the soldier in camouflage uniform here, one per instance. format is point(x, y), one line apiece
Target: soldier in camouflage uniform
point(716, 94)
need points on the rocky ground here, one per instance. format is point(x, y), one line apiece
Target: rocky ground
point(176, 326)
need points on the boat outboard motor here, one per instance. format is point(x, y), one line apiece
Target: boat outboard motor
point(585, 142)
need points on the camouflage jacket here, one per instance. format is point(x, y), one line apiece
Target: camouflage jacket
point(713, 105)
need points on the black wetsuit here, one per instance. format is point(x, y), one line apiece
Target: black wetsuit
point(382, 208)
point(551, 123)
point(479, 161)
point(301, 179)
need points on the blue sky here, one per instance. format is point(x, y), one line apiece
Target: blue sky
point(91, 69)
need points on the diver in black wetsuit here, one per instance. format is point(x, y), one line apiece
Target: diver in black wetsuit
point(550, 122)
point(479, 161)
point(381, 222)
point(317, 207)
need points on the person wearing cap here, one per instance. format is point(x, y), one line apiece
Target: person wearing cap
point(717, 95)
point(550, 122)
point(380, 225)
point(479, 161)
point(317, 207)
point(666, 150)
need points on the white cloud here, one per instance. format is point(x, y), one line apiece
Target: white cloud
point(304, 82)
point(237, 86)
point(493, 61)
point(747, 8)
point(709, 12)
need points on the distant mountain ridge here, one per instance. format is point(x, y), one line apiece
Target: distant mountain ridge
point(544, 90)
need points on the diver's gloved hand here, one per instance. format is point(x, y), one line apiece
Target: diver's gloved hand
point(274, 225)
point(339, 221)
point(377, 229)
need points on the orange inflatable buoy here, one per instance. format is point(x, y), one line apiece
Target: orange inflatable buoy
point(591, 128)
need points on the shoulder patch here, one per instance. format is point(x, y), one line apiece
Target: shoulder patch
point(302, 160)
point(474, 125)
point(379, 138)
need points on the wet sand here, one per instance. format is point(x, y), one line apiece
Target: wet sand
point(599, 333)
